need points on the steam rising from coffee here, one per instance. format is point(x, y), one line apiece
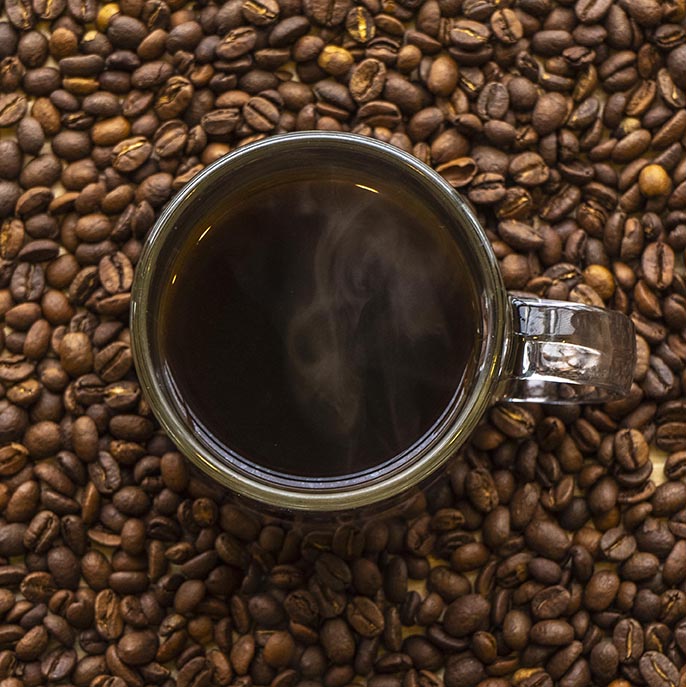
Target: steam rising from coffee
point(374, 307)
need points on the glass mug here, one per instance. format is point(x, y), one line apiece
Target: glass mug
point(528, 349)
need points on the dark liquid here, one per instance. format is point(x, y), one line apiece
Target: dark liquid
point(319, 328)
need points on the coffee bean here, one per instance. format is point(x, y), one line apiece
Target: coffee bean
point(30, 135)
point(447, 583)
point(549, 113)
point(513, 421)
point(653, 180)
point(466, 615)
point(481, 489)
point(631, 449)
point(552, 632)
point(657, 669)
point(327, 13)
point(115, 273)
point(137, 648)
point(601, 590)
point(617, 545)
point(279, 650)
point(261, 114)
point(547, 538)
point(32, 645)
point(367, 80)
point(469, 34)
point(550, 602)
point(21, 15)
point(463, 671)
point(458, 172)
point(506, 26)
point(658, 265)
point(337, 641)
point(171, 138)
point(468, 557)
point(76, 354)
point(487, 188)
point(365, 617)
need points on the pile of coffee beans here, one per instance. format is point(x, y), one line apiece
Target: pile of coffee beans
point(552, 553)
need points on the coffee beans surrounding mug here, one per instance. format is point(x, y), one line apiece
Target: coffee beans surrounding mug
point(551, 553)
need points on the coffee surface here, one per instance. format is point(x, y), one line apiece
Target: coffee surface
point(319, 328)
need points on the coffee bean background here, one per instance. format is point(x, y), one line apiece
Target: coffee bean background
point(553, 552)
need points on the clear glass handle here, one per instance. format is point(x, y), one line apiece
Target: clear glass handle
point(568, 353)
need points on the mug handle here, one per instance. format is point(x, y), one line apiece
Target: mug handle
point(567, 353)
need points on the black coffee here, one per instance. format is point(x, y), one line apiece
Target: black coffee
point(319, 328)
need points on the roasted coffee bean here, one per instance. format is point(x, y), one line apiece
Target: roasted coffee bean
point(529, 169)
point(631, 449)
point(463, 671)
point(506, 26)
point(327, 13)
point(549, 113)
point(552, 633)
point(469, 34)
point(628, 639)
point(137, 648)
point(657, 669)
point(617, 545)
point(657, 263)
point(600, 590)
point(550, 603)
point(12, 108)
point(21, 15)
point(365, 617)
point(32, 645)
point(367, 80)
point(547, 538)
point(465, 615)
point(115, 273)
point(481, 490)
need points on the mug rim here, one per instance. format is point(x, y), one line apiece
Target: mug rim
point(493, 349)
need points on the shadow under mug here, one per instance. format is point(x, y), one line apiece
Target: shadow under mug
point(530, 349)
